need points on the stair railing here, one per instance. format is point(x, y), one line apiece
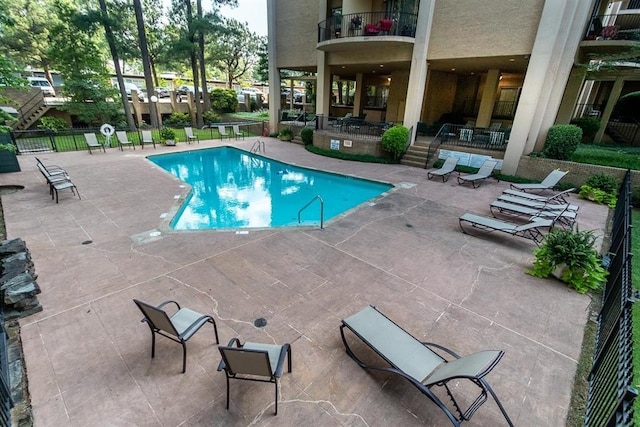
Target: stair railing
point(435, 143)
point(321, 210)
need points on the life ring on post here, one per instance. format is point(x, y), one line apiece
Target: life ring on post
point(107, 130)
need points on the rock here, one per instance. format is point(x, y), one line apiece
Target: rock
point(12, 246)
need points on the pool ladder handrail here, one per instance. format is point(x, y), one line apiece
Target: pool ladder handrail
point(256, 147)
point(321, 210)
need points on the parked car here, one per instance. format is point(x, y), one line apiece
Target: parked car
point(182, 91)
point(42, 84)
point(162, 92)
point(131, 86)
point(297, 94)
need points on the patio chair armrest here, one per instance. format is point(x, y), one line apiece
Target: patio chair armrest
point(441, 348)
point(168, 302)
point(195, 323)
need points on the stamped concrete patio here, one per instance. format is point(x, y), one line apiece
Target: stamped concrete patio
point(88, 355)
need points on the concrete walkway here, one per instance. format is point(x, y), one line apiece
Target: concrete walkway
point(88, 356)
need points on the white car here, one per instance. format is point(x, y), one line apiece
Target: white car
point(42, 84)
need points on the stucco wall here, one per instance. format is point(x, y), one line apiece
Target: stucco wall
point(463, 29)
point(397, 96)
point(440, 95)
point(358, 146)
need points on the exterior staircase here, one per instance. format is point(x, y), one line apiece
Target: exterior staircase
point(416, 155)
point(30, 105)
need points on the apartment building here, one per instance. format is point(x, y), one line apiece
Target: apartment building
point(517, 63)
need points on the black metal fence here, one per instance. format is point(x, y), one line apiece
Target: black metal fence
point(623, 26)
point(353, 126)
point(368, 24)
point(6, 402)
point(36, 141)
point(467, 136)
point(611, 394)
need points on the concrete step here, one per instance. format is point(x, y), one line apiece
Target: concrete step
point(412, 163)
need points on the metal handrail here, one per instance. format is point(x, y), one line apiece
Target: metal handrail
point(379, 23)
point(256, 147)
point(321, 210)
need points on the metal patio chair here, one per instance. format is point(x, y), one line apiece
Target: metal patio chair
point(445, 170)
point(123, 140)
point(92, 142)
point(548, 183)
point(181, 326)
point(191, 136)
point(147, 138)
point(254, 362)
point(483, 173)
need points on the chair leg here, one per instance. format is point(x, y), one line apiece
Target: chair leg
point(227, 390)
point(184, 357)
point(490, 390)
point(276, 383)
point(153, 344)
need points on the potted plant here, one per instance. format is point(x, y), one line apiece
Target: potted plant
point(570, 256)
point(356, 22)
point(8, 158)
point(168, 136)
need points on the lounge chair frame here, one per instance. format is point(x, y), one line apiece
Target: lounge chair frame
point(378, 321)
point(561, 198)
point(448, 167)
point(566, 218)
point(485, 171)
point(548, 183)
point(252, 361)
point(160, 323)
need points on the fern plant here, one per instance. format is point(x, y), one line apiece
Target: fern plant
point(574, 251)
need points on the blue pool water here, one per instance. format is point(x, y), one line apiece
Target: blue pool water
point(235, 189)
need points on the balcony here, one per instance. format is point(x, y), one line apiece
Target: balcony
point(369, 24)
point(612, 34)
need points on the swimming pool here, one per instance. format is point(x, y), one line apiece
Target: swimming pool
point(232, 188)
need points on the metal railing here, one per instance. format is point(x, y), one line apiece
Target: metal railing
point(467, 136)
point(368, 24)
point(6, 402)
point(588, 110)
point(623, 26)
point(623, 132)
point(35, 141)
point(501, 109)
point(354, 127)
point(611, 392)
point(318, 197)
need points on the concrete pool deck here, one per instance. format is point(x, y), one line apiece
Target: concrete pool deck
point(88, 356)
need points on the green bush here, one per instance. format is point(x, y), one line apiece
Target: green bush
point(178, 119)
point(394, 140)
point(597, 195)
point(603, 182)
point(635, 196)
point(224, 100)
point(307, 136)
point(562, 141)
point(54, 124)
point(167, 133)
point(628, 107)
point(210, 116)
point(589, 126)
point(286, 134)
point(572, 251)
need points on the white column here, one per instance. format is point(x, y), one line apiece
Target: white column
point(571, 96)
point(418, 72)
point(274, 73)
point(614, 96)
point(359, 94)
point(488, 100)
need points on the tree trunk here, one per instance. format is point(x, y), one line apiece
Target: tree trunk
point(116, 65)
point(144, 53)
point(203, 72)
point(154, 72)
point(194, 64)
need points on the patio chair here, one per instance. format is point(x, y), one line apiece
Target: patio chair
point(566, 217)
point(147, 138)
point(222, 130)
point(92, 142)
point(531, 230)
point(181, 326)
point(423, 363)
point(237, 132)
point(445, 170)
point(123, 140)
point(52, 170)
point(483, 173)
point(63, 184)
point(254, 362)
point(561, 197)
point(547, 184)
point(190, 135)
point(495, 126)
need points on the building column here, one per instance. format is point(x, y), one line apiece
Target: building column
point(571, 95)
point(547, 72)
point(418, 71)
point(614, 96)
point(359, 94)
point(488, 99)
point(274, 73)
point(323, 88)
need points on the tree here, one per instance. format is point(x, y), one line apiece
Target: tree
point(144, 52)
point(261, 70)
point(78, 56)
point(234, 50)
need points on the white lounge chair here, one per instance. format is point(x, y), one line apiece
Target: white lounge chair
point(483, 173)
point(547, 184)
point(565, 216)
point(557, 201)
point(92, 142)
point(447, 168)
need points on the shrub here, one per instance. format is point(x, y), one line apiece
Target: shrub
point(210, 116)
point(178, 119)
point(597, 195)
point(54, 124)
point(635, 196)
point(167, 133)
point(603, 182)
point(573, 252)
point(589, 126)
point(307, 136)
point(394, 140)
point(562, 141)
point(285, 134)
point(628, 107)
point(224, 100)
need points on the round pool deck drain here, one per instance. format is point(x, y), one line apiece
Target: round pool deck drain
point(155, 234)
point(87, 242)
point(259, 323)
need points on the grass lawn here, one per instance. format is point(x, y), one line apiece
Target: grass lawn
point(608, 155)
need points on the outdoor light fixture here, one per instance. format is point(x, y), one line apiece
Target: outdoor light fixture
point(153, 98)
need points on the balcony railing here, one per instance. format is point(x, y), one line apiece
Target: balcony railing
point(368, 24)
point(624, 26)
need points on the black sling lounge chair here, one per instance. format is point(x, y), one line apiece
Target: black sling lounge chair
point(421, 363)
point(181, 326)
